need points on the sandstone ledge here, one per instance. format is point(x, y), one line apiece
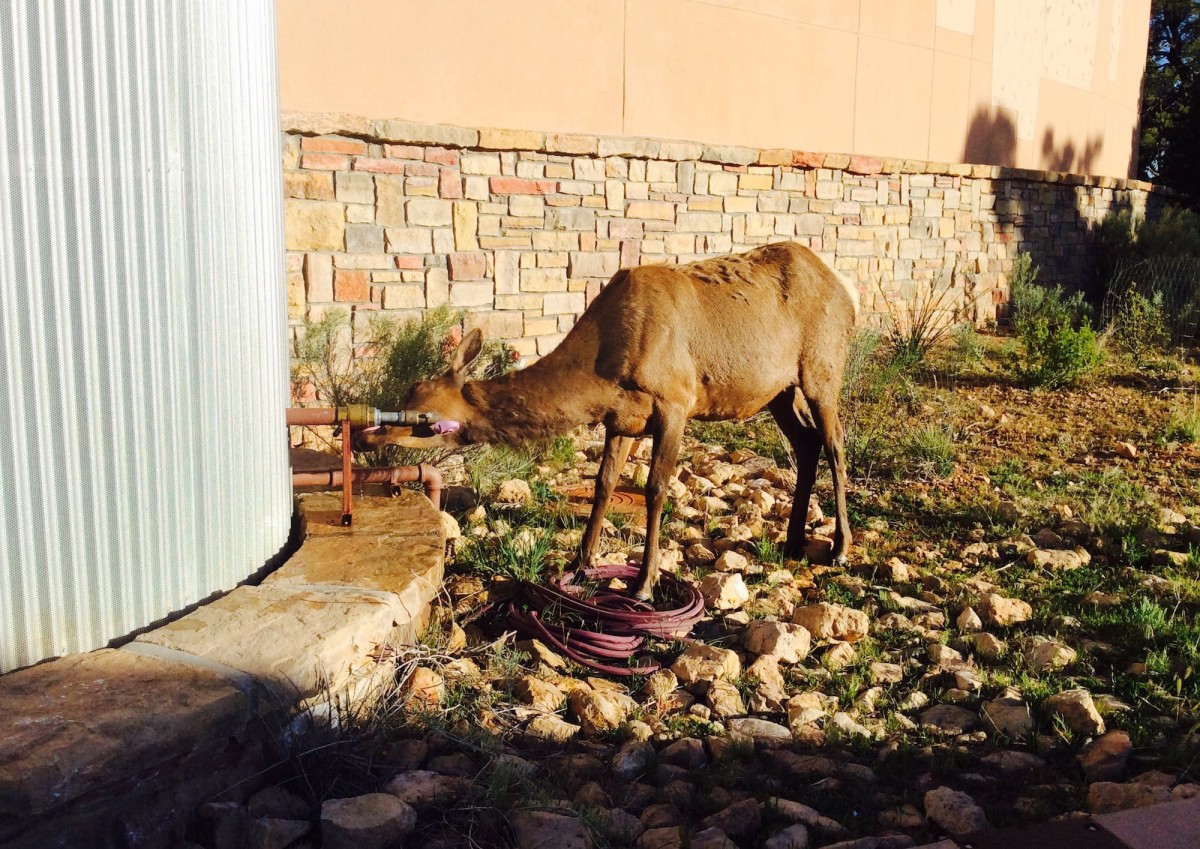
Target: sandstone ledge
point(401, 131)
point(127, 741)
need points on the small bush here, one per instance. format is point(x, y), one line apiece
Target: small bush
point(519, 556)
point(931, 449)
point(1058, 345)
point(1184, 425)
point(1059, 356)
point(1140, 328)
point(915, 327)
point(967, 348)
point(876, 392)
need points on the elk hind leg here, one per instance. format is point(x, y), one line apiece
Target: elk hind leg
point(825, 417)
point(805, 440)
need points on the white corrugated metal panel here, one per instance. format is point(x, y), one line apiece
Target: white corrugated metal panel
point(143, 370)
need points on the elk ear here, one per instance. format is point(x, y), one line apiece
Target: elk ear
point(466, 352)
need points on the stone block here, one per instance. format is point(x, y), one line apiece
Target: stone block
point(497, 325)
point(465, 224)
point(507, 272)
point(562, 303)
point(570, 218)
point(741, 204)
point(312, 185)
point(511, 139)
point(325, 162)
point(471, 294)
point(614, 195)
point(442, 156)
point(318, 277)
point(730, 155)
point(590, 170)
point(572, 143)
point(703, 222)
point(364, 239)
point(430, 212)
point(630, 146)
point(351, 285)
point(576, 187)
point(312, 225)
point(645, 209)
point(395, 130)
point(353, 147)
point(526, 206)
point(598, 264)
point(325, 123)
point(755, 182)
point(722, 183)
point(829, 190)
point(354, 187)
point(543, 280)
point(482, 164)
point(409, 240)
point(517, 185)
point(379, 166)
point(389, 200)
point(466, 265)
point(437, 287)
point(450, 184)
point(407, 296)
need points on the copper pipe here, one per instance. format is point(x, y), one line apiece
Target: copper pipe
point(347, 465)
point(312, 415)
point(430, 477)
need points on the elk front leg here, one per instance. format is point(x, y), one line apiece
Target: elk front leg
point(616, 452)
point(668, 434)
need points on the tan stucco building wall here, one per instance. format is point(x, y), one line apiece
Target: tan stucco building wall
point(1047, 84)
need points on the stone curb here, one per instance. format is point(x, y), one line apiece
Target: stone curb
point(133, 739)
point(400, 131)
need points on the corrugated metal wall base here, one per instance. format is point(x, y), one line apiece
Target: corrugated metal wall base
point(143, 354)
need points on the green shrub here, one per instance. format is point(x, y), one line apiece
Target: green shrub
point(931, 450)
point(1058, 345)
point(876, 392)
point(1184, 425)
point(967, 348)
point(379, 364)
point(518, 555)
point(1054, 357)
point(913, 328)
point(1140, 327)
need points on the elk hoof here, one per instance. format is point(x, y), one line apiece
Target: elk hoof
point(841, 561)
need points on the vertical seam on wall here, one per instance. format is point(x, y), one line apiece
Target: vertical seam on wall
point(624, 61)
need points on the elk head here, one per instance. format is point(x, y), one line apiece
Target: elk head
point(442, 395)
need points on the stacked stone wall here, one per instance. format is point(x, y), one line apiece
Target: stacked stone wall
point(522, 229)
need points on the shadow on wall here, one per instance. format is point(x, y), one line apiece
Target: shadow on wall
point(1067, 158)
point(992, 140)
point(1059, 232)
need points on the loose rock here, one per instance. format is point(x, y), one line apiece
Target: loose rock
point(832, 621)
point(1078, 710)
point(954, 811)
point(543, 829)
point(372, 821)
point(788, 642)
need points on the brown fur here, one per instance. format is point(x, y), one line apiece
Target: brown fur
point(716, 339)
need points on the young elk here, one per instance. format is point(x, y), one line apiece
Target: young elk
point(715, 339)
